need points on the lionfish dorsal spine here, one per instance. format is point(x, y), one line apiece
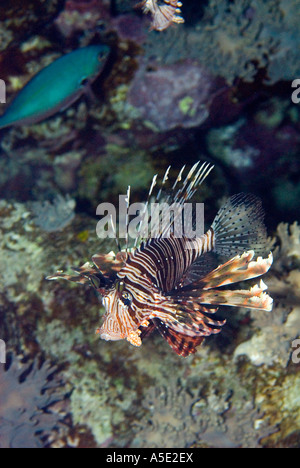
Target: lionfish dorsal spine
point(127, 200)
point(175, 198)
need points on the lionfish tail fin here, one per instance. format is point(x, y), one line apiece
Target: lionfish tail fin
point(239, 226)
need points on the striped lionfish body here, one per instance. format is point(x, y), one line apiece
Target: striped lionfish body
point(169, 282)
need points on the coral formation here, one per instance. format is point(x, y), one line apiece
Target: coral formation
point(236, 38)
point(54, 216)
point(177, 419)
point(170, 414)
point(172, 96)
point(287, 253)
point(82, 15)
point(263, 146)
point(28, 394)
point(19, 20)
point(280, 327)
point(216, 87)
point(274, 341)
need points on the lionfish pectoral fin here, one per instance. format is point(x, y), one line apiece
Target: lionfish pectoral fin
point(239, 268)
point(110, 263)
point(254, 298)
point(187, 327)
point(199, 269)
point(183, 345)
point(82, 276)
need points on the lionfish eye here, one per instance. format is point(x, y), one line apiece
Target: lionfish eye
point(126, 298)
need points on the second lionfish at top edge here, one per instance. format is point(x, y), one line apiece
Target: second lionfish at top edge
point(163, 13)
point(169, 283)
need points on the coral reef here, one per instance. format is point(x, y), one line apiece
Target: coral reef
point(236, 39)
point(172, 96)
point(209, 402)
point(82, 15)
point(178, 419)
point(263, 146)
point(287, 253)
point(283, 64)
point(216, 87)
point(34, 318)
point(19, 20)
point(274, 341)
point(278, 329)
point(170, 414)
point(54, 216)
point(28, 394)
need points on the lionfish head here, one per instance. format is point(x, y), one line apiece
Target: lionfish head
point(118, 319)
point(126, 309)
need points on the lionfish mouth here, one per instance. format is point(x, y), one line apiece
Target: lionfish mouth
point(109, 336)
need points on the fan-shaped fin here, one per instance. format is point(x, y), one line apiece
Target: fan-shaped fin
point(183, 345)
point(239, 226)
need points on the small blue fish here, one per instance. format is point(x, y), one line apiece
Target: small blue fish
point(56, 87)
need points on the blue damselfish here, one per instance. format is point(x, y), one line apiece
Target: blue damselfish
point(56, 87)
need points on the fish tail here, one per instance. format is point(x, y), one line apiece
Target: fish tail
point(239, 227)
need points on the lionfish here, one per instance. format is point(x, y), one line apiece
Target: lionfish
point(163, 14)
point(168, 282)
